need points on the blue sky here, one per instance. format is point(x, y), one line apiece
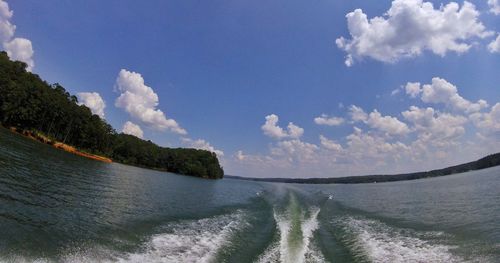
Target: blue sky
point(220, 67)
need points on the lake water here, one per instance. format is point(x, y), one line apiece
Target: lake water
point(57, 207)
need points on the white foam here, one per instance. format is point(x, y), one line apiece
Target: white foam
point(308, 227)
point(186, 241)
point(20, 259)
point(191, 241)
point(381, 243)
point(281, 251)
point(272, 254)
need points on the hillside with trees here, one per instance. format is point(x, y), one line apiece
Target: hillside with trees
point(29, 103)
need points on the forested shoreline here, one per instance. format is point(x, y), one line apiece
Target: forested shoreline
point(485, 162)
point(29, 103)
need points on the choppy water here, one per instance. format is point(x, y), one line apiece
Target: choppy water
point(56, 207)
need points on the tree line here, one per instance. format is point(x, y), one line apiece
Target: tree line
point(485, 162)
point(29, 103)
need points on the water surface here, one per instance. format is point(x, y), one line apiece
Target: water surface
point(58, 207)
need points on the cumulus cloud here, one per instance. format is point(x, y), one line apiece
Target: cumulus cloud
point(295, 151)
point(413, 89)
point(494, 46)
point(357, 113)
point(494, 6)
point(132, 129)
point(283, 155)
point(271, 129)
point(387, 124)
point(441, 91)
point(330, 144)
point(93, 101)
point(6, 28)
point(140, 101)
point(437, 129)
point(489, 122)
point(437, 140)
point(18, 48)
point(453, 130)
point(410, 27)
point(423, 138)
point(328, 121)
point(363, 146)
point(202, 145)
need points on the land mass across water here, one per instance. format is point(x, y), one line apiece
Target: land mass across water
point(50, 114)
point(37, 136)
point(485, 162)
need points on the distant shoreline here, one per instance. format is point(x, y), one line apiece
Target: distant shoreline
point(37, 136)
point(485, 162)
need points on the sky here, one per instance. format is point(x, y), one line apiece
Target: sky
point(281, 88)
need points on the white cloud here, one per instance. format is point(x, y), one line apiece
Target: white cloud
point(436, 129)
point(19, 49)
point(330, 144)
point(132, 129)
point(93, 101)
point(257, 165)
point(257, 160)
point(424, 138)
point(240, 156)
point(284, 155)
point(441, 91)
point(357, 113)
point(488, 123)
point(294, 131)
point(202, 145)
point(395, 92)
point(6, 28)
point(420, 117)
point(494, 6)
point(329, 121)
point(413, 89)
point(494, 46)
point(271, 129)
point(295, 150)
point(410, 27)
point(439, 140)
point(363, 146)
point(387, 124)
point(140, 101)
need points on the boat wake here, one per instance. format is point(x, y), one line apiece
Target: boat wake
point(375, 241)
point(190, 241)
point(291, 229)
point(296, 228)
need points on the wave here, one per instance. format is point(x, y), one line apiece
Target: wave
point(296, 228)
point(377, 242)
point(183, 241)
point(190, 241)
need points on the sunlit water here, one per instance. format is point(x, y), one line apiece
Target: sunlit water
point(55, 206)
